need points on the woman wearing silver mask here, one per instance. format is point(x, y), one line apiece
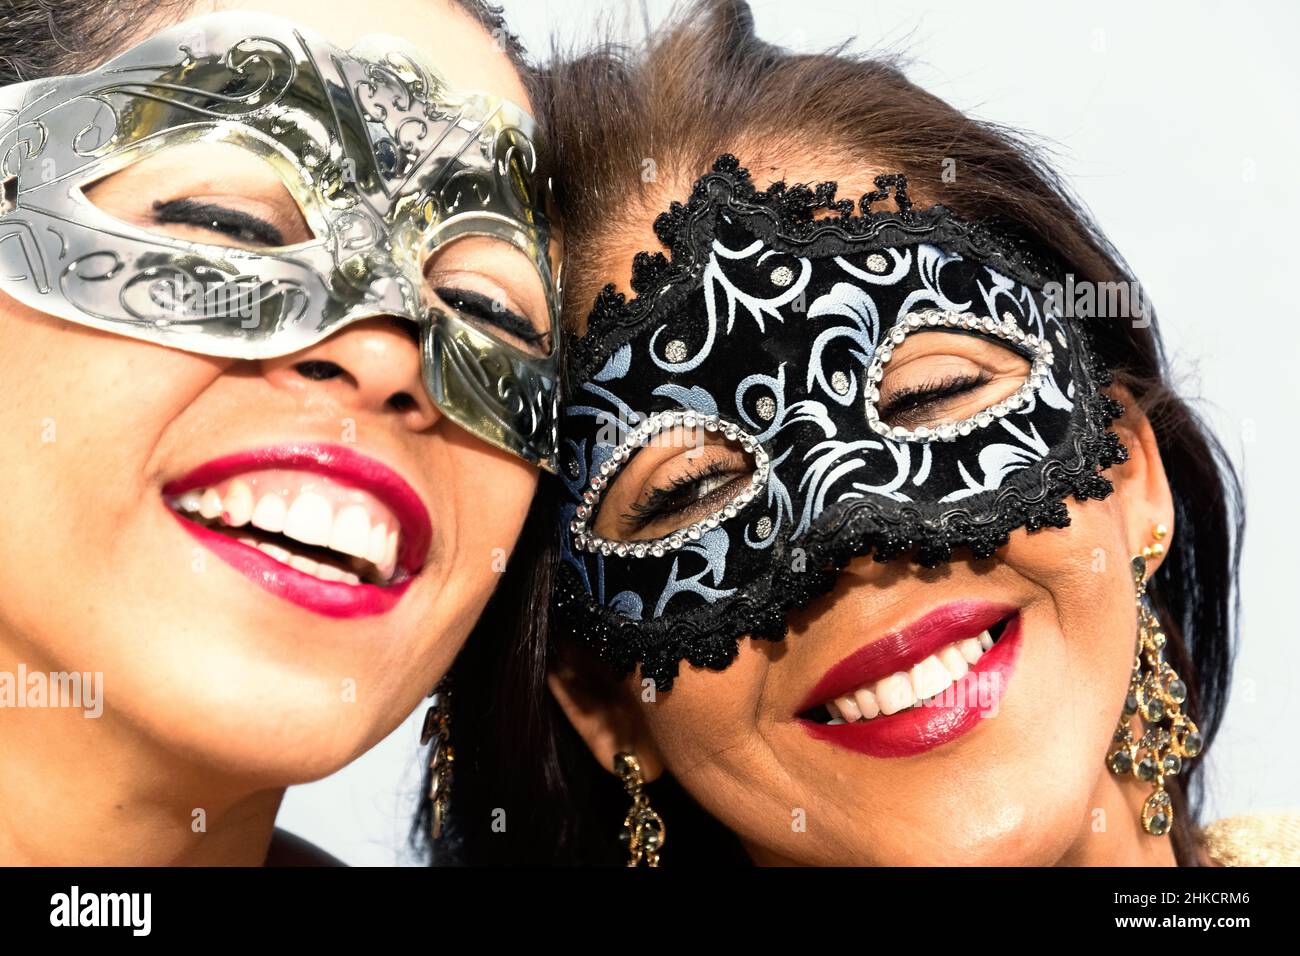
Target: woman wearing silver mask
point(859, 529)
point(277, 314)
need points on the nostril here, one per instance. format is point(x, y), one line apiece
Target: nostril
point(318, 371)
point(402, 402)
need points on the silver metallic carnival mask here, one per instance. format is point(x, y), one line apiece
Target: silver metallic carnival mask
point(386, 162)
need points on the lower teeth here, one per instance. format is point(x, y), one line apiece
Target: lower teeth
point(299, 563)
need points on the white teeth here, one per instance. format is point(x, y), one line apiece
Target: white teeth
point(377, 548)
point(275, 551)
point(930, 677)
point(269, 513)
point(389, 564)
point(351, 532)
point(310, 519)
point(895, 693)
point(327, 572)
point(954, 662)
point(927, 678)
point(210, 504)
point(867, 703)
point(305, 565)
point(238, 504)
point(849, 708)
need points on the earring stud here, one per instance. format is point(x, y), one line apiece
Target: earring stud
point(1156, 549)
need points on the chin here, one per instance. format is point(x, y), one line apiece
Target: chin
point(1020, 829)
point(257, 719)
point(282, 744)
point(974, 825)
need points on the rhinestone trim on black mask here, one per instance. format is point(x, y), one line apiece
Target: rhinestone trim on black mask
point(780, 323)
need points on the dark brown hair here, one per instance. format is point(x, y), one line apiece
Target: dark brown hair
point(40, 38)
point(705, 85)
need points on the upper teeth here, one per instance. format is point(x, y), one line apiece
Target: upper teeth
point(304, 515)
point(926, 679)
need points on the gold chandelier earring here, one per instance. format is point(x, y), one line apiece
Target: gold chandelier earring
point(643, 828)
point(437, 728)
point(1156, 694)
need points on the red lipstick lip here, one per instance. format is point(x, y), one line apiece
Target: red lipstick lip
point(941, 719)
point(332, 461)
point(330, 598)
point(901, 649)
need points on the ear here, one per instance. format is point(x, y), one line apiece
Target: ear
point(607, 718)
point(1141, 483)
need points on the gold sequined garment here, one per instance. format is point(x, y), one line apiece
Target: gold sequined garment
point(1254, 839)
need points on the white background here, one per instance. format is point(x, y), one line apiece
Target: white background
point(1177, 125)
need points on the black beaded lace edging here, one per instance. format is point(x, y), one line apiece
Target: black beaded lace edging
point(1034, 498)
point(784, 217)
point(708, 636)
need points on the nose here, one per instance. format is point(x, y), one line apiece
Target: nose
point(371, 366)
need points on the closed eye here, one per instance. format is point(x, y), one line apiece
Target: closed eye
point(907, 406)
point(704, 491)
point(490, 310)
point(233, 223)
point(938, 376)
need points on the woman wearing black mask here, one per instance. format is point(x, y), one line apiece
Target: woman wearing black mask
point(860, 520)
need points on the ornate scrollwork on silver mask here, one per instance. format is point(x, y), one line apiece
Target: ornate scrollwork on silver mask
point(386, 160)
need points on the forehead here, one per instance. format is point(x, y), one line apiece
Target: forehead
point(459, 47)
point(631, 229)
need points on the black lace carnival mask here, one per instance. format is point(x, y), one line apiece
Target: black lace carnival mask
point(733, 435)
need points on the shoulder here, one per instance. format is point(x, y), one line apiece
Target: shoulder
point(1269, 838)
point(289, 850)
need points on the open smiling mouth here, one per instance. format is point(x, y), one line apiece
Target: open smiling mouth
point(321, 528)
point(924, 684)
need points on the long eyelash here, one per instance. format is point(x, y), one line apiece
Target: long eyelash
point(230, 222)
point(660, 500)
point(482, 307)
point(918, 396)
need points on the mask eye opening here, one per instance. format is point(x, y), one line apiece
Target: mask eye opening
point(166, 191)
point(1007, 329)
point(584, 539)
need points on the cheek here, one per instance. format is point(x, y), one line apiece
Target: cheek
point(1085, 570)
point(705, 711)
point(1072, 684)
point(483, 496)
point(80, 432)
point(709, 734)
point(82, 424)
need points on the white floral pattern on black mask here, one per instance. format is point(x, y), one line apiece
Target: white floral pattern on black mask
point(771, 325)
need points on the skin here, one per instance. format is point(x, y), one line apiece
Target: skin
point(219, 694)
point(1026, 786)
